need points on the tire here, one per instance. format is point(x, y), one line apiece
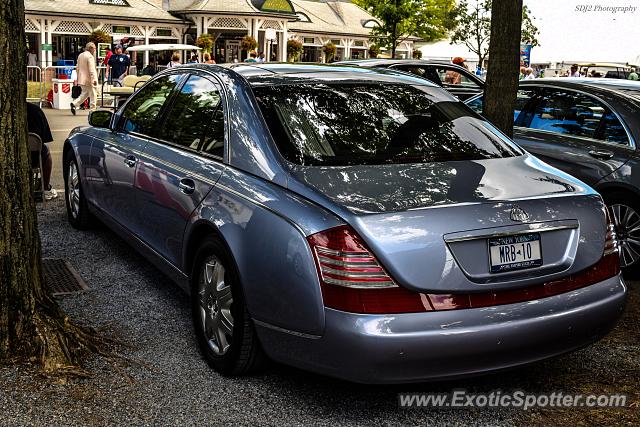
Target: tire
point(77, 210)
point(224, 329)
point(624, 208)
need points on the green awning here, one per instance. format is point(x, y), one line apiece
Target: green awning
point(280, 6)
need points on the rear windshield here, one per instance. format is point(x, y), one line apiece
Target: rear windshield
point(356, 124)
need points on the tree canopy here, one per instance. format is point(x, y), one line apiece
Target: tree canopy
point(400, 19)
point(473, 27)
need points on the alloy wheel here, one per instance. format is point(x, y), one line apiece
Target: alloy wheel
point(215, 306)
point(627, 225)
point(73, 189)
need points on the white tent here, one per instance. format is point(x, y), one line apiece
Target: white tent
point(161, 47)
point(444, 50)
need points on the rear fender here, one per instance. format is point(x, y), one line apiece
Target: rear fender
point(265, 229)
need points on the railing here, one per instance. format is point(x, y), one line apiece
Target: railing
point(40, 82)
point(34, 84)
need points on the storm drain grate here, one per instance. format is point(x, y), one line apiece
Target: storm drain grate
point(61, 278)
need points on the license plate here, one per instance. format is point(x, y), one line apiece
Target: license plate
point(514, 252)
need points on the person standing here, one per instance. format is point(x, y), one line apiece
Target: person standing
point(574, 71)
point(87, 78)
point(32, 58)
point(529, 75)
point(118, 65)
point(107, 56)
point(175, 60)
point(207, 58)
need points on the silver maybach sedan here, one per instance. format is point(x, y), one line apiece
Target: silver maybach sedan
point(358, 223)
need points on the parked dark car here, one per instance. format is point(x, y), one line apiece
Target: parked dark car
point(360, 223)
point(589, 128)
point(439, 72)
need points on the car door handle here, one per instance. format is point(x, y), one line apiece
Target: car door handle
point(187, 186)
point(601, 154)
point(130, 161)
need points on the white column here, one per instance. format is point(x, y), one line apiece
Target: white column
point(147, 32)
point(43, 40)
point(283, 43)
point(49, 36)
point(347, 48)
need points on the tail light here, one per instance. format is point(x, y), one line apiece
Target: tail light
point(611, 241)
point(352, 279)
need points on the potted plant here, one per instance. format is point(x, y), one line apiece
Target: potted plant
point(294, 50)
point(248, 44)
point(329, 50)
point(99, 36)
point(205, 42)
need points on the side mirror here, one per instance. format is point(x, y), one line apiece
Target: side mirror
point(100, 118)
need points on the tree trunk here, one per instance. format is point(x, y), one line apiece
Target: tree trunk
point(394, 41)
point(32, 326)
point(504, 60)
point(20, 269)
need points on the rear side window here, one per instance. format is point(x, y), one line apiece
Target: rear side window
point(352, 124)
point(523, 98)
point(143, 109)
point(452, 77)
point(576, 114)
point(190, 120)
point(611, 130)
point(418, 71)
point(568, 113)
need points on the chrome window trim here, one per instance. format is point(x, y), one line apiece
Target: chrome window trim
point(584, 138)
point(223, 89)
point(531, 228)
point(631, 141)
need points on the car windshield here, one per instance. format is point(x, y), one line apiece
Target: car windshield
point(355, 124)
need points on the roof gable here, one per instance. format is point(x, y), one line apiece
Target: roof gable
point(142, 10)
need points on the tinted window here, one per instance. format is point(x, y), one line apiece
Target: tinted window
point(476, 104)
point(351, 124)
point(190, 120)
point(522, 99)
point(568, 113)
point(414, 69)
point(214, 139)
point(451, 77)
point(141, 112)
point(611, 130)
point(576, 114)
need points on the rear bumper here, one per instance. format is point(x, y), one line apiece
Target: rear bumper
point(425, 346)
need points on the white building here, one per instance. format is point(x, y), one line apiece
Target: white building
point(59, 29)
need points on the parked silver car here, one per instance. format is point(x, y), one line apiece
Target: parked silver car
point(358, 223)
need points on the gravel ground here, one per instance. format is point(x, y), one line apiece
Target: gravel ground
point(130, 299)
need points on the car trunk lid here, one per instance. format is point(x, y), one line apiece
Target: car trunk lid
point(430, 224)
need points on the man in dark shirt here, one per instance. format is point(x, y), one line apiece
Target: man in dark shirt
point(118, 65)
point(38, 124)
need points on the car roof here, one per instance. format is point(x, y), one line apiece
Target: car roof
point(629, 88)
point(383, 61)
point(274, 73)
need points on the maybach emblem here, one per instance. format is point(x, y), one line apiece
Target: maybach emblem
point(518, 214)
